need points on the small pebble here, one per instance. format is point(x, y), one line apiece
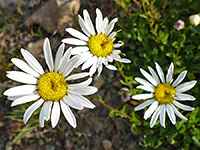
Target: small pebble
point(107, 145)
point(41, 142)
point(8, 146)
point(50, 147)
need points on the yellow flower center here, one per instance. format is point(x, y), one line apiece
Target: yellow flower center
point(100, 45)
point(164, 93)
point(52, 86)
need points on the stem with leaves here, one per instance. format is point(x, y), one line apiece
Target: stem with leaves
point(179, 47)
point(109, 107)
point(124, 76)
point(148, 20)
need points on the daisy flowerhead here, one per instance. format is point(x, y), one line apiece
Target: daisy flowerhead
point(164, 95)
point(95, 48)
point(50, 90)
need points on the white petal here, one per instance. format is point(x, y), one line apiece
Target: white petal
point(146, 88)
point(185, 86)
point(31, 109)
point(30, 59)
point(155, 117)
point(72, 102)
point(12, 98)
point(83, 26)
point(99, 21)
point(65, 60)
point(124, 60)
point(21, 77)
point(20, 90)
point(115, 56)
point(78, 76)
point(41, 117)
point(170, 113)
point(143, 105)
point(109, 58)
point(89, 63)
point(111, 67)
point(55, 114)
point(160, 73)
point(110, 26)
point(59, 55)
point(77, 34)
point(74, 41)
point(25, 67)
point(151, 109)
point(93, 69)
point(119, 44)
point(170, 73)
point(88, 22)
point(83, 101)
point(25, 99)
point(112, 35)
point(79, 50)
point(153, 73)
point(179, 78)
point(142, 96)
point(104, 25)
point(149, 77)
point(48, 54)
point(79, 85)
point(182, 106)
point(45, 112)
point(100, 68)
point(83, 57)
point(84, 91)
point(104, 61)
point(162, 115)
point(178, 113)
point(184, 97)
point(144, 82)
point(116, 52)
point(68, 114)
point(70, 66)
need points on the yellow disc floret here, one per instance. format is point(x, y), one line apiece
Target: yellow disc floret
point(100, 45)
point(164, 93)
point(52, 86)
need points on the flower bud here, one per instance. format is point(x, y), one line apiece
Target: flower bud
point(125, 96)
point(179, 25)
point(194, 20)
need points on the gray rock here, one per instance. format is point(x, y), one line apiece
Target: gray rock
point(50, 147)
point(58, 143)
point(55, 15)
point(41, 142)
point(98, 126)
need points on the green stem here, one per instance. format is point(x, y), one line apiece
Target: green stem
point(179, 47)
point(109, 107)
point(158, 40)
point(124, 76)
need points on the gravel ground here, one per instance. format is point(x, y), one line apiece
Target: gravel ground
point(95, 130)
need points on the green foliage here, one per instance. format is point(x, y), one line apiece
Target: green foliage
point(122, 112)
point(22, 129)
point(149, 37)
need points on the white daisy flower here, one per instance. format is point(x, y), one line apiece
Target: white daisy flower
point(95, 48)
point(49, 89)
point(164, 95)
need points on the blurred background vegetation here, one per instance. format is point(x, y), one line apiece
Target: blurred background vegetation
point(149, 36)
